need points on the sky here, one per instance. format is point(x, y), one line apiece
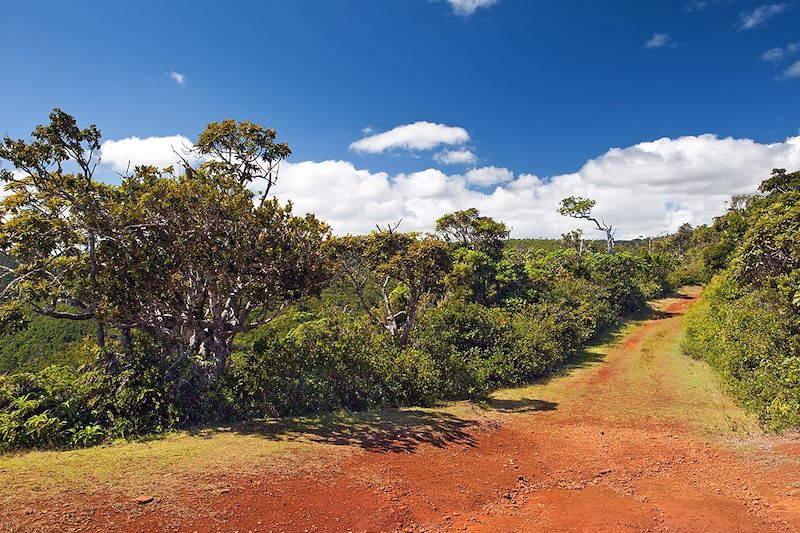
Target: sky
point(409, 109)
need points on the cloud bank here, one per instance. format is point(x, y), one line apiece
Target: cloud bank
point(642, 189)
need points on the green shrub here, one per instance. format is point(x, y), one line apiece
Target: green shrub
point(324, 365)
point(749, 338)
point(52, 408)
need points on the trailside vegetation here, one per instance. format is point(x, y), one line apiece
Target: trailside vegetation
point(195, 297)
point(747, 324)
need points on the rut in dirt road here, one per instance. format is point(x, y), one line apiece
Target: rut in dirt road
point(635, 436)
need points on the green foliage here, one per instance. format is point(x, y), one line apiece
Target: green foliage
point(324, 365)
point(51, 408)
point(43, 342)
point(753, 342)
point(747, 324)
point(223, 305)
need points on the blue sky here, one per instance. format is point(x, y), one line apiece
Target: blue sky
point(540, 88)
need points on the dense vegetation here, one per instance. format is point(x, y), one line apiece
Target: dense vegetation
point(192, 296)
point(747, 324)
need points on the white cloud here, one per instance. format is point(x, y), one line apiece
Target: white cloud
point(417, 136)
point(486, 176)
point(659, 40)
point(466, 8)
point(455, 157)
point(126, 154)
point(760, 15)
point(778, 54)
point(792, 71)
point(16, 174)
point(177, 77)
point(642, 189)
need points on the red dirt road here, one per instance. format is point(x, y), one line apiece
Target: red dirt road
point(611, 448)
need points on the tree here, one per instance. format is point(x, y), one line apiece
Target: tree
point(191, 260)
point(581, 208)
point(197, 262)
point(480, 273)
point(394, 274)
point(470, 230)
point(780, 182)
point(51, 220)
point(573, 239)
point(243, 150)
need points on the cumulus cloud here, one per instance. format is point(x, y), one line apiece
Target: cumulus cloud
point(760, 15)
point(486, 176)
point(129, 153)
point(177, 77)
point(455, 157)
point(659, 40)
point(642, 189)
point(466, 8)
point(417, 136)
point(792, 71)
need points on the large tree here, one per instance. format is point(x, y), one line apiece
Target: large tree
point(581, 208)
point(191, 257)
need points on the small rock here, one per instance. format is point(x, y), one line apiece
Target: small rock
point(144, 499)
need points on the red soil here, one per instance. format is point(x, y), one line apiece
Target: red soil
point(549, 470)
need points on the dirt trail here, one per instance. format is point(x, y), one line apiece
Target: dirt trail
point(634, 437)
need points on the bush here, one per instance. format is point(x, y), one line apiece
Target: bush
point(146, 392)
point(749, 338)
point(324, 365)
point(55, 407)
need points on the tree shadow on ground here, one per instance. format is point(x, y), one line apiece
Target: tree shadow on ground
point(390, 430)
point(384, 431)
point(526, 405)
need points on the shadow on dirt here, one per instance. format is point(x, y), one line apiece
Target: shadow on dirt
point(518, 406)
point(379, 431)
point(390, 430)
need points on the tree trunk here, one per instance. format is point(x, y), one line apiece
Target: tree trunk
point(215, 350)
point(610, 240)
point(101, 334)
